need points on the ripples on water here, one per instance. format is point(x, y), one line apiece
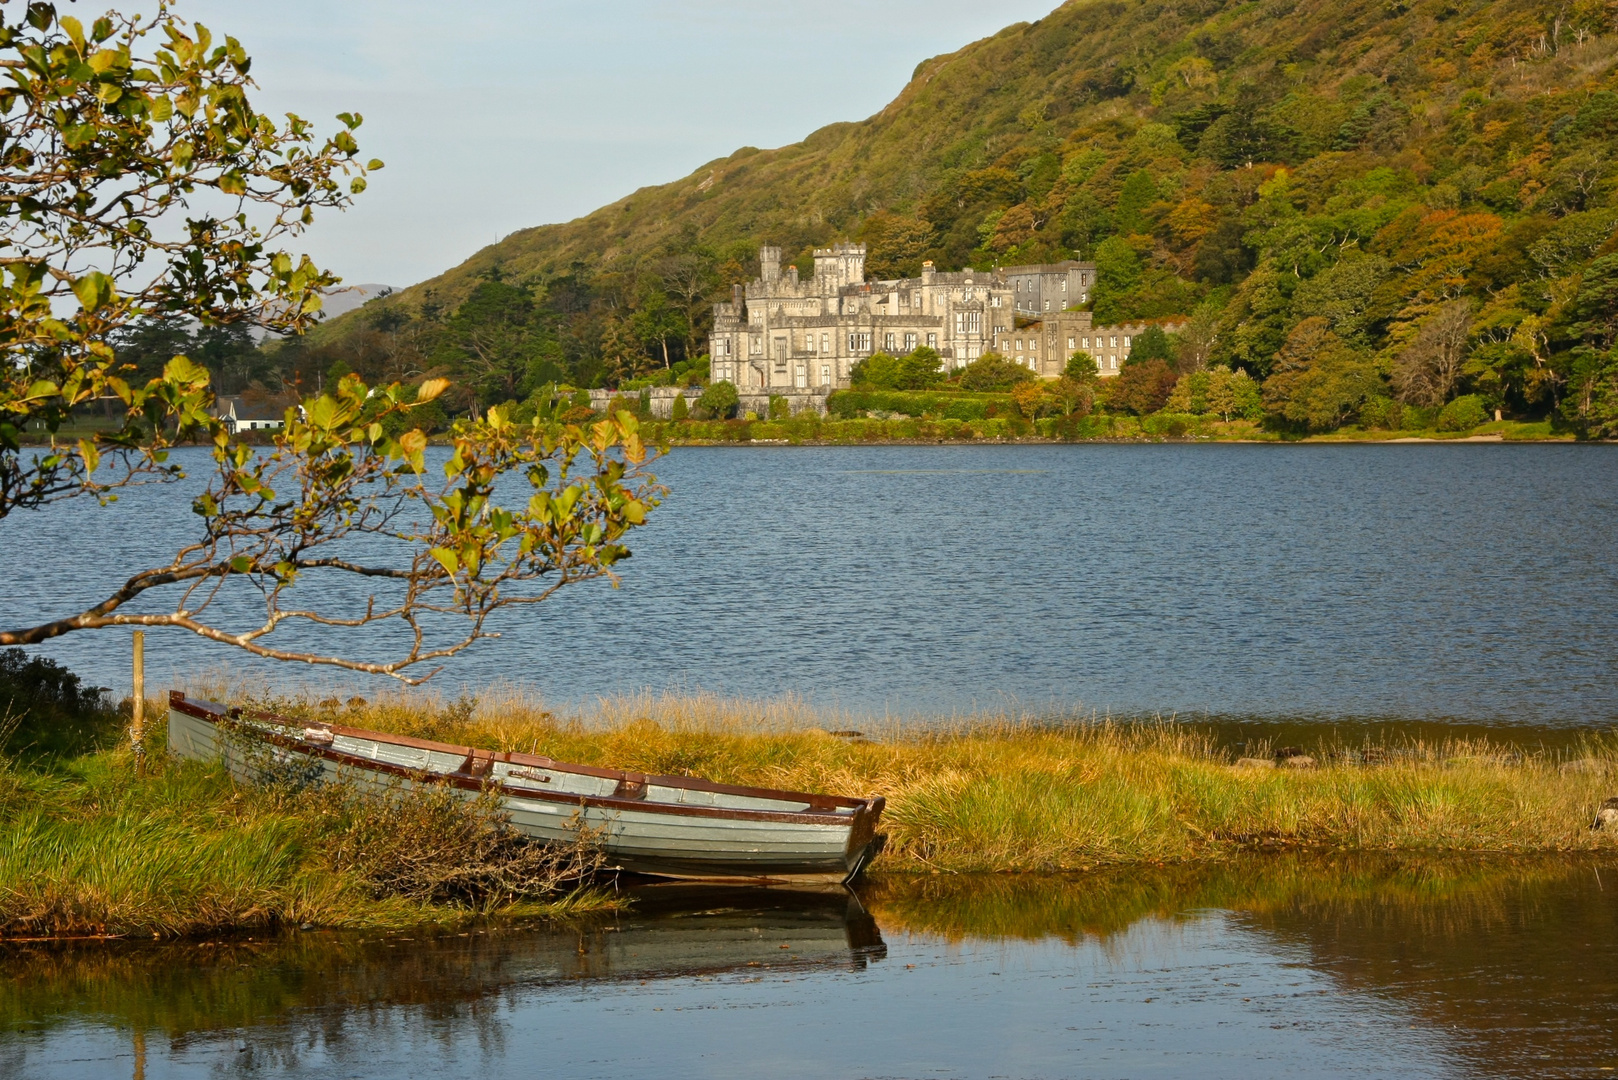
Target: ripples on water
point(1405, 582)
point(1268, 967)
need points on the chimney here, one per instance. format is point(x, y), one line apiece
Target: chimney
point(769, 263)
point(927, 272)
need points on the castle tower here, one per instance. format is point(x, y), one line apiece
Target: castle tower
point(840, 265)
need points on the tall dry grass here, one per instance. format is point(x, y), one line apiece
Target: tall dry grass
point(88, 847)
point(1003, 791)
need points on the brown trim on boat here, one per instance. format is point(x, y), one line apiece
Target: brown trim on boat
point(469, 781)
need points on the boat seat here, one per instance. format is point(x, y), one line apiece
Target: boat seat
point(632, 786)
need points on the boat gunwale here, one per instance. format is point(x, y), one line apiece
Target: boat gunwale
point(863, 808)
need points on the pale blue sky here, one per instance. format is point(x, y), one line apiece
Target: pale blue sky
point(495, 115)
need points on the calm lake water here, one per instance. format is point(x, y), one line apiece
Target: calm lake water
point(1429, 582)
point(1268, 967)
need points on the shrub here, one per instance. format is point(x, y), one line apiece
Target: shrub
point(1381, 412)
point(1152, 344)
point(719, 400)
point(879, 371)
point(680, 410)
point(46, 711)
point(779, 409)
point(1142, 388)
point(920, 370)
point(1418, 418)
point(1081, 367)
point(991, 371)
point(848, 404)
point(1462, 414)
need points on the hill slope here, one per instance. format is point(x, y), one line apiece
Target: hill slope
point(1404, 199)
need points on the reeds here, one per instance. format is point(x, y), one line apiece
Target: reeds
point(91, 849)
point(1013, 792)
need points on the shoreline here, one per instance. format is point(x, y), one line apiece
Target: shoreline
point(90, 850)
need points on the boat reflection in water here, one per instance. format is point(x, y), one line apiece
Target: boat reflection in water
point(1269, 966)
point(257, 1002)
point(675, 930)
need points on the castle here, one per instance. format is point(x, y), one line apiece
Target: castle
point(785, 335)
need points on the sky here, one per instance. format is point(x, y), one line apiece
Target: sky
point(498, 115)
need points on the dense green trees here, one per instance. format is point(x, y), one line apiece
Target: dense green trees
point(921, 369)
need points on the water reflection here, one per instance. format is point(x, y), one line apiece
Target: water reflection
point(1266, 966)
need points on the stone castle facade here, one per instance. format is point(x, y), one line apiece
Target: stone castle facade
point(785, 335)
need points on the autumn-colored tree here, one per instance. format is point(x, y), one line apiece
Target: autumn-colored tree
point(1030, 399)
point(1071, 397)
point(1319, 380)
point(1141, 388)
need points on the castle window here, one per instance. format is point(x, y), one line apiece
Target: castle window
point(889, 342)
point(1126, 342)
point(825, 343)
point(1019, 343)
point(1072, 343)
point(1047, 305)
point(932, 341)
point(910, 343)
point(1115, 342)
point(825, 374)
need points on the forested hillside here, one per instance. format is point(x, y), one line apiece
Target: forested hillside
point(1361, 204)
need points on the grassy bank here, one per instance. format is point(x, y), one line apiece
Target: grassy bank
point(1001, 793)
point(91, 845)
point(1160, 427)
point(87, 846)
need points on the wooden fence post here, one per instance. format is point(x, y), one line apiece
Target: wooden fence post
point(137, 727)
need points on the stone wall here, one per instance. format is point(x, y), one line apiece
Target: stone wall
point(758, 400)
point(659, 398)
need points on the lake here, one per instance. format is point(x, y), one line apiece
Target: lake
point(1341, 583)
point(1264, 967)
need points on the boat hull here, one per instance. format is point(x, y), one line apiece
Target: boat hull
point(672, 827)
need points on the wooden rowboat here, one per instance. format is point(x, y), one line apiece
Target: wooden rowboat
point(662, 826)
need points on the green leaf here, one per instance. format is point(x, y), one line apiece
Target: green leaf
point(94, 290)
point(240, 564)
point(446, 558)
